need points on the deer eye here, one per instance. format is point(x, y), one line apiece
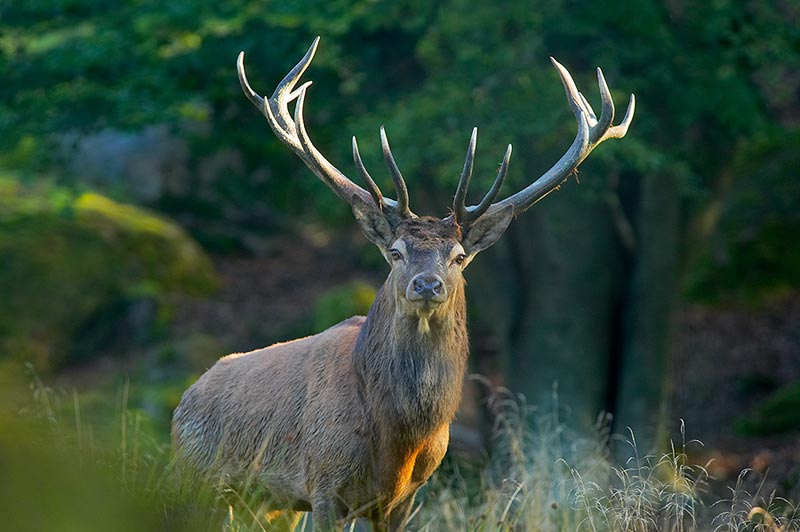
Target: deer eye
point(459, 259)
point(395, 254)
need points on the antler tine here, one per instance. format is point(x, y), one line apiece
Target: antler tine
point(473, 213)
point(591, 132)
point(573, 94)
point(397, 177)
point(607, 105)
point(621, 129)
point(459, 209)
point(278, 104)
point(252, 95)
point(591, 117)
point(285, 92)
point(362, 171)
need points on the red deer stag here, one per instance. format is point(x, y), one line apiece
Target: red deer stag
point(352, 421)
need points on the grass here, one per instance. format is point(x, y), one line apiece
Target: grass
point(545, 478)
point(69, 474)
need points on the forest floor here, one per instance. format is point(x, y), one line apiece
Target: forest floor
point(726, 361)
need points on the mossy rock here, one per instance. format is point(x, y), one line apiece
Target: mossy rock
point(349, 299)
point(779, 413)
point(68, 259)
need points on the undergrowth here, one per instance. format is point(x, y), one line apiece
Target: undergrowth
point(544, 477)
point(71, 475)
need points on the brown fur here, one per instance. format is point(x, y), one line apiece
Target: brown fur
point(351, 421)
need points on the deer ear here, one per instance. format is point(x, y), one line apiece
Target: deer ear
point(373, 223)
point(487, 229)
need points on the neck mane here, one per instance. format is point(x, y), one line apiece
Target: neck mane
point(411, 380)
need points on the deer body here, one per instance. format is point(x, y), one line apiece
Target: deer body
point(358, 414)
point(352, 421)
point(326, 441)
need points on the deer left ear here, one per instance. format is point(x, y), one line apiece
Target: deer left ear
point(373, 223)
point(487, 229)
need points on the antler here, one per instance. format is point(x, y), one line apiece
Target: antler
point(292, 132)
point(591, 132)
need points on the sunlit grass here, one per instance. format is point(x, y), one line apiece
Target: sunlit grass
point(71, 474)
point(543, 477)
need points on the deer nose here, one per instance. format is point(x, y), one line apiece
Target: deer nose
point(427, 287)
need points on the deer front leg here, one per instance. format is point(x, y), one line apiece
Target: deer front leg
point(399, 514)
point(324, 514)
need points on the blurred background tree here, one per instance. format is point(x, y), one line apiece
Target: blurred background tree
point(138, 102)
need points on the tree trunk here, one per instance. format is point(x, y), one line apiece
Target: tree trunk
point(641, 395)
point(568, 274)
point(569, 309)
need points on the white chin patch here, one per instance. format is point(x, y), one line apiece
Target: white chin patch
point(423, 325)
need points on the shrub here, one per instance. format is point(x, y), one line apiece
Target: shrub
point(778, 413)
point(72, 263)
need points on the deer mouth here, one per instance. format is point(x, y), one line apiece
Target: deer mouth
point(422, 309)
point(422, 305)
point(426, 307)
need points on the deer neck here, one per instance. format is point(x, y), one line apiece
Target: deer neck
point(411, 377)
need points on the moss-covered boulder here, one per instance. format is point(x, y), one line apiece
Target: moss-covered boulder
point(69, 260)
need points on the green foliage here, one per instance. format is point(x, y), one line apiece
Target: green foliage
point(145, 62)
point(778, 413)
point(71, 259)
point(349, 299)
point(487, 66)
point(65, 471)
point(752, 254)
point(417, 67)
point(430, 72)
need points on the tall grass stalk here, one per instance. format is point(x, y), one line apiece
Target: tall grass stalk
point(542, 476)
point(545, 477)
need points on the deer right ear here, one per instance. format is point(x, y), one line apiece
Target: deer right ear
point(487, 229)
point(373, 223)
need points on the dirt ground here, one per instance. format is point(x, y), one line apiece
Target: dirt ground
point(725, 362)
point(262, 298)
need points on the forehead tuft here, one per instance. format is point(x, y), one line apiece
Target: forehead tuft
point(428, 229)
